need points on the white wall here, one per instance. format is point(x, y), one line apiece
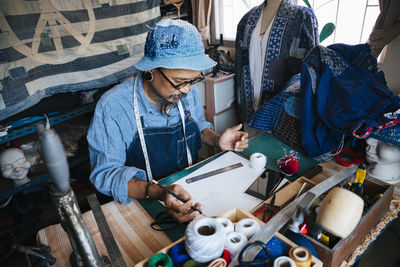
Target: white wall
point(391, 65)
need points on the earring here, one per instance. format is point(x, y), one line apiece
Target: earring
point(148, 76)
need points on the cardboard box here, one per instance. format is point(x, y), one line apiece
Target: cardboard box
point(345, 247)
point(235, 215)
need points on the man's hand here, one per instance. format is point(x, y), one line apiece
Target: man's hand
point(233, 139)
point(181, 212)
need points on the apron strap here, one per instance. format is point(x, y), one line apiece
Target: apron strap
point(189, 155)
point(141, 134)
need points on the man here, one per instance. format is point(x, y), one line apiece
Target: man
point(154, 122)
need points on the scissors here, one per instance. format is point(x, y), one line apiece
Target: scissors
point(164, 222)
point(269, 210)
point(263, 261)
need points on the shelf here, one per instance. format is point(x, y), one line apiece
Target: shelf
point(31, 128)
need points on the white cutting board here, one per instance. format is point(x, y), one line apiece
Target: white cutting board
point(223, 191)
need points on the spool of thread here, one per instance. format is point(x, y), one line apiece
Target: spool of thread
point(219, 262)
point(160, 259)
point(234, 242)
point(178, 254)
point(247, 226)
point(284, 261)
point(340, 212)
point(226, 256)
point(193, 263)
point(227, 224)
point(258, 161)
point(205, 239)
point(301, 256)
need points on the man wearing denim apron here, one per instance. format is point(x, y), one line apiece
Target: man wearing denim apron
point(153, 125)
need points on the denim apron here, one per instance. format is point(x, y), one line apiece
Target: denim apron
point(168, 149)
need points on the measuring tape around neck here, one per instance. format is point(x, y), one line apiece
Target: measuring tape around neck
point(141, 134)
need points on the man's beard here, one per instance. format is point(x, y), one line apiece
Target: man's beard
point(164, 104)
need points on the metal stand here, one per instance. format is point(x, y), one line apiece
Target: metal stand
point(84, 250)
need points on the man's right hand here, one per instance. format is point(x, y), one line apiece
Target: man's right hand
point(181, 212)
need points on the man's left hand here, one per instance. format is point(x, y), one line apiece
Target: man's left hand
point(233, 139)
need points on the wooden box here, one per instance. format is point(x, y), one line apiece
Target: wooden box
point(345, 247)
point(286, 194)
point(235, 215)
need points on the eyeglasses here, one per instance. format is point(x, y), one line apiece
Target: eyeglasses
point(183, 84)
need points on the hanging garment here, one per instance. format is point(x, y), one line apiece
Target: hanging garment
point(281, 115)
point(340, 93)
point(343, 94)
point(293, 32)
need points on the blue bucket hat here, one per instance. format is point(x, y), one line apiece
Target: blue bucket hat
point(174, 44)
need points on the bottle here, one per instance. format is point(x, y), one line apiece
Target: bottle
point(357, 185)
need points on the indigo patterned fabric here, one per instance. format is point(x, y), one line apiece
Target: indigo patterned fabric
point(281, 114)
point(340, 93)
point(343, 94)
point(294, 31)
point(48, 47)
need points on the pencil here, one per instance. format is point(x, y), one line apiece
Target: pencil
point(178, 197)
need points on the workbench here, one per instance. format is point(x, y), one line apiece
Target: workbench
point(130, 224)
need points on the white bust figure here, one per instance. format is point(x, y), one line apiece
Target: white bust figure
point(14, 166)
point(387, 159)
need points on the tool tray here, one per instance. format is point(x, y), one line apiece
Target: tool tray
point(345, 247)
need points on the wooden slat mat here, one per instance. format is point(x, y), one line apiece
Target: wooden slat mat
point(130, 225)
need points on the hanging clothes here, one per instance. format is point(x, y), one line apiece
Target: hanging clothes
point(340, 93)
point(343, 94)
point(293, 32)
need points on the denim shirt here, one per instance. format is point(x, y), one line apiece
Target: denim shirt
point(113, 128)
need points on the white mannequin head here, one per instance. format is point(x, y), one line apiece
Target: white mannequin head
point(14, 166)
point(387, 159)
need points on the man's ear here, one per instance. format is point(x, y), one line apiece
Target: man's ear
point(148, 75)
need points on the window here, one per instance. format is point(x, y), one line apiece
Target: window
point(353, 19)
point(228, 14)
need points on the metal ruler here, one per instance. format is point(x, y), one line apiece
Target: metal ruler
point(300, 204)
point(112, 248)
point(211, 173)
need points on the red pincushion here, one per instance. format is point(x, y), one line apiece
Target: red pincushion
point(290, 166)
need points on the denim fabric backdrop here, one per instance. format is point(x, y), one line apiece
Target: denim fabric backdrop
point(48, 47)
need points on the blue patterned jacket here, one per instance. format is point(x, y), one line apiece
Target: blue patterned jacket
point(293, 33)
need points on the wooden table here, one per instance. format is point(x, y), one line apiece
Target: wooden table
point(130, 225)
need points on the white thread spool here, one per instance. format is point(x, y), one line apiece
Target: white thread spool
point(258, 161)
point(205, 239)
point(234, 242)
point(284, 261)
point(227, 224)
point(247, 226)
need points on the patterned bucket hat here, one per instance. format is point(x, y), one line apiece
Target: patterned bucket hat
point(389, 135)
point(174, 44)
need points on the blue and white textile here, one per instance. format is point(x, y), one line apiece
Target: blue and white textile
point(340, 93)
point(49, 47)
point(294, 31)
